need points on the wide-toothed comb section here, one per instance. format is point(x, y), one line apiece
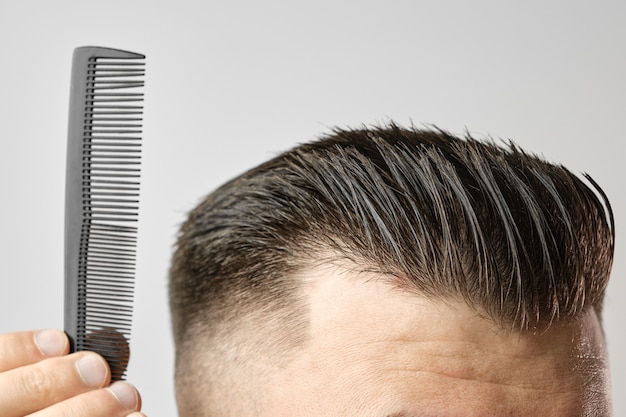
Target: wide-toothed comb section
point(110, 169)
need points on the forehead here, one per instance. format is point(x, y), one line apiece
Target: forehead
point(376, 351)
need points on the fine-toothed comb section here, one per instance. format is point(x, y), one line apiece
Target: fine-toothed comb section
point(102, 198)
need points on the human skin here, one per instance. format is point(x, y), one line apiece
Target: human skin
point(39, 378)
point(378, 351)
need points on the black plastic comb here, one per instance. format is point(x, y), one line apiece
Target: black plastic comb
point(102, 198)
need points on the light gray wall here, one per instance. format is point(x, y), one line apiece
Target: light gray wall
point(229, 84)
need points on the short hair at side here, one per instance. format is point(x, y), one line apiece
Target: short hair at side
point(521, 240)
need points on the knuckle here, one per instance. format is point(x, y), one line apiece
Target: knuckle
point(37, 381)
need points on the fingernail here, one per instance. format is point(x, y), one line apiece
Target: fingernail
point(92, 370)
point(51, 342)
point(125, 394)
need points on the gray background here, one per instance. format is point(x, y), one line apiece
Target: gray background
point(231, 84)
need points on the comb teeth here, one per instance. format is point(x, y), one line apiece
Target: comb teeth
point(104, 155)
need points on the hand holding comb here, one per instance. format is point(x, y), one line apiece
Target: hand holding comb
point(102, 199)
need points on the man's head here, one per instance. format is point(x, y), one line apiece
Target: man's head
point(393, 271)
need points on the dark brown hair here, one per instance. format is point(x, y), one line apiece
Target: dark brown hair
point(523, 241)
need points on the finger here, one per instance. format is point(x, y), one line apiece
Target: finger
point(34, 387)
point(119, 400)
point(25, 348)
point(113, 347)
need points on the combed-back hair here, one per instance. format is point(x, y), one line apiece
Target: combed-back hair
point(523, 241)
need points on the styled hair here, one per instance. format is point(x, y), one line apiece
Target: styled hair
point(521, 240)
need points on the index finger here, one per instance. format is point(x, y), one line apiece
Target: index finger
point(24, 348)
